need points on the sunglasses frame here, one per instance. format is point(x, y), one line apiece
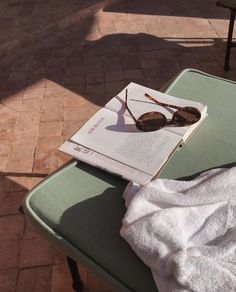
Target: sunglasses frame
point(178, 108)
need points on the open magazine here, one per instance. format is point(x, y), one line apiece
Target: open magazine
point(110, 139)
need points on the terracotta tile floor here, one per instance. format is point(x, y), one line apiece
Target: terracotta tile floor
point(53, 78)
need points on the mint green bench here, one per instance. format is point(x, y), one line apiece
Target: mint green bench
point(79, 208)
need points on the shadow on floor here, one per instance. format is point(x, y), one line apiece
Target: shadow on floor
point(13, 188)
point(25, 23)
point(98, 69)
point(180, 8)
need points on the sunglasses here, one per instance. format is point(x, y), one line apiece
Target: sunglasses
point(152, 121)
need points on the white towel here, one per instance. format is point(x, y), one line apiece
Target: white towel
point(185, 231)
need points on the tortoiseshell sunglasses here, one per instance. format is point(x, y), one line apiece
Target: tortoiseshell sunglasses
point(152, 121)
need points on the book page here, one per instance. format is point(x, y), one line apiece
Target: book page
point(96, 159)
point(116, 136)
point(139, 104)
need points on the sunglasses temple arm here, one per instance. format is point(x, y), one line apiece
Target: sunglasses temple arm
point(126, 105)
point(161, 103)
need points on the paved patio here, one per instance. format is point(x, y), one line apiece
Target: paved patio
point(59, 63)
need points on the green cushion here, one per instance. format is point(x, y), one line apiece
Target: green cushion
point(80, 208)
point(214, 143)
point(83, 205)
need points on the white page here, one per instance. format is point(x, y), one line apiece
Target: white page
point(139, 105)
point(96, 159)
point(116, 136)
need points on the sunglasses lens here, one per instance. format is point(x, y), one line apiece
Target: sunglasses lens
point(151, 121)
point(186, 116)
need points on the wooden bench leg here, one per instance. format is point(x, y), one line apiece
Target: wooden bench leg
point(77, 283)
point(229, 40)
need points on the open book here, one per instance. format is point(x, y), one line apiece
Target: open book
point(111, 141)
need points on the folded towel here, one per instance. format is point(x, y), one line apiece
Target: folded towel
point(185, 231)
